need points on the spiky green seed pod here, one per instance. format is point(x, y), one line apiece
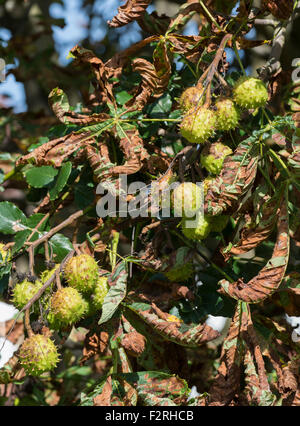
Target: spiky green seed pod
point(199, 231)
point(45, 275)
point(213, 156)
point(81, 272)
point(218, 223)
point(198, 126)
point(227, 114)
point(38, 354)
point(186, 199)
point(250, 92)
point(100, 292)
point(67, 306)
point(192, 97)
point(5, 255)
point(23, 292)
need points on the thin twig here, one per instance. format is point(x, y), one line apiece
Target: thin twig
point(57, 228)
point(37, 226)
point(38, 294)
point(27, 323)
point(57, 278)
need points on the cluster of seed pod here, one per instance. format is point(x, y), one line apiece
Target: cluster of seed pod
point(82, 296)
point(198, 125)
point(200, 121)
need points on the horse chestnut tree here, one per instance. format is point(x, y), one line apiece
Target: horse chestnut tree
point(114, 282)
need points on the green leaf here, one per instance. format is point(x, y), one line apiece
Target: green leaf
point(4, 285)
point(5, 156)
point(60, 245)
point(41, 141)
point(61, 180)
point(84, 194)
point(116, 293)
point(123, 97)
point(30, 225)
point(12, 219)
point(161, 107)
point(38, 177)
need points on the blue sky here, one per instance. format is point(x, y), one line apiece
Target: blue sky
point(75, 30)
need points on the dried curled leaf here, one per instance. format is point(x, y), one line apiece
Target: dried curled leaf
point(99, 160)
point(134, 343)
point(130, 11)
point(148, 85)
point(154, 80)
point(104, 398)
point(190, 336)
point(237, 175)
point(191, 47)
point(158, 388)
point(252, 236)
point(257, 387)
point(56, 151)
point(269, 278)
point(59, 103)
point(134, 153)
point(226, 385)
point(103, 88)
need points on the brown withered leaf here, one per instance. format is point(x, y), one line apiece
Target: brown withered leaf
point(269, 278)
point(151, 84)
point(162, 65)
point(94, 343)
point(190, 336)
point(237, 175)
point(226, 385)
point(257, 388)
point(103, 88)
point(157, 389)
point(295, 401)
point(99, 160)
point(133, 343)
point(296, 118)
point(130, 11)
point(252, 236)
point(134, 153)
point(97, 339)
point(191, 47)
point(294, 161)
point(57, 150)
point(59, 103)
point(104, 398)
